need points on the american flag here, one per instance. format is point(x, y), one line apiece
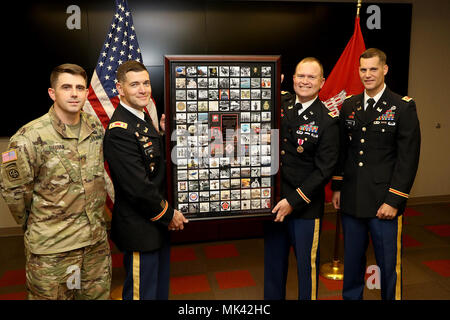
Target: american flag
point(120, 46)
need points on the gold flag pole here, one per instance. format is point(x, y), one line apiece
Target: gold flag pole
point(335, 270)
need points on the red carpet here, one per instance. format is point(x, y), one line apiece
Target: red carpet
point(440, 266)
point(117, 260)
point(441, 230)
point(209, 270)
point(13, 296)
point(326, 225)
point(331, 298)
point(182, 254)
point(409, 212)
point(13, 278)
point(234, 279)
point(221, 251)
point(331, 285)
point(408, 241)
point(189, 284)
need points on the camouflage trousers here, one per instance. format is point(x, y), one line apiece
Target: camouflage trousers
point(81, 274)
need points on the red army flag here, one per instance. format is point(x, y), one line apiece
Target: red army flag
point(343, 80)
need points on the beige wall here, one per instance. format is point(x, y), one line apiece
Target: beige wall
point(429, 85)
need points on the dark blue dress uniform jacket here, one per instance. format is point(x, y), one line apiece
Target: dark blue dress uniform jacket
point(379, 154)
point(309, 154)
point(135, 155)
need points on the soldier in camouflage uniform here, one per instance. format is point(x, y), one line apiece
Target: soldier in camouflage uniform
point(52, 178)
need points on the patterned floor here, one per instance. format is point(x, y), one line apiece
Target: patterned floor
point(233, 270)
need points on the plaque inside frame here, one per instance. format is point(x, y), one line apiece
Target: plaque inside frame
point(222, 154)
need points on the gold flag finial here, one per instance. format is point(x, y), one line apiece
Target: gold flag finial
point(358, 7)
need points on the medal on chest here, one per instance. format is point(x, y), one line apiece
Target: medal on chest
point(300, 148)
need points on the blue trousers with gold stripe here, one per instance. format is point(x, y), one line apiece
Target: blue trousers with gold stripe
point(386, 238)
point(147, 275)
point(304, 236)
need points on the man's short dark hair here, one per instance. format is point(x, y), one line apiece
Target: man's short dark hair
point(131, 65)
point(374, 52)
point(71, 68)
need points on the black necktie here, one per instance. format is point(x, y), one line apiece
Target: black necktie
point(147, 118)
point(370, 104)
point(298, 107)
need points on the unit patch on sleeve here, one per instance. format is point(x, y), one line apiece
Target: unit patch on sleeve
point(332, 114)
point(407, 99)
point(119, 124)
point(12, 172)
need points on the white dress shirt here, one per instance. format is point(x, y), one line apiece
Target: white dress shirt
point(376, 97)
point(136, 112)
point(305, 105)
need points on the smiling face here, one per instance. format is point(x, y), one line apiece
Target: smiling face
point(69, 94)
point(308, 80)
point(135, 90)
point(372, 72)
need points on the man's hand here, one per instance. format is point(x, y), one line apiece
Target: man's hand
point(162, 123)
point(336, 199)
point(178, 221)
point(282, 209)
point(386, 212)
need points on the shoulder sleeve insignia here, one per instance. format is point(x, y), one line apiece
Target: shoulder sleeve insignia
point(348, 97)
point(119, 124)
point(407, 99)
point(10, 155)
point(332, 114)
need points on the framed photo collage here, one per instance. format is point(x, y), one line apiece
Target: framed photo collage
point(221, 113)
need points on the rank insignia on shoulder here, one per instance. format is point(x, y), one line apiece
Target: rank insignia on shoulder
point(119, 124)
point(332, 114)
point(290, 107)
point(407, 99)
point(10, 155)
point(348, 97)
point(284, 92)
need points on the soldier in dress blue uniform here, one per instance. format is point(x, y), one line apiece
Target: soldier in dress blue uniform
point(141, 216)
point(380, 145)
point(309, 153)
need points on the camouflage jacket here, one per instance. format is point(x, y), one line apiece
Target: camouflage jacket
point(54, 183)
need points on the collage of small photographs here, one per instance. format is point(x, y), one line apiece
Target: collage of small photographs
point(223, 116)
